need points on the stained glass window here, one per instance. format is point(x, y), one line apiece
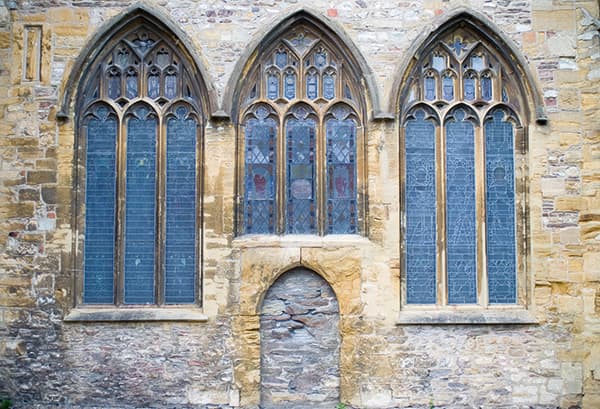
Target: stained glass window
point(181, 193)
point(300, 151)
point(284, 187)
point(158, 167)
point(140, 210)
point(290, 85)
point(341, 177)
point(259, 186)
point(430, 88)
point(420, 204)
point(460, 210)
point(100, 207)
point(448, 87)
point(500, 209)
point(460, 177)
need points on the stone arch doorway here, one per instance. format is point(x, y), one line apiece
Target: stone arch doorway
point(300, 343)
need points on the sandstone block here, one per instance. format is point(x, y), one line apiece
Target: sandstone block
point(553, 20)
point(35, 177)
point(572, 375)
point(591, 266)
point(16, 210)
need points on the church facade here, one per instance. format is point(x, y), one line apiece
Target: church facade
point(284, 205)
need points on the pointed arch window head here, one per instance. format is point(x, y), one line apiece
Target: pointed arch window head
point(140, 119)
point(302, 137)
point(463, 175)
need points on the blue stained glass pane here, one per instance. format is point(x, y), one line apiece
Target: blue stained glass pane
point(281, 59)
point(341, 176)
point(131, 86)
point(140, 211)
point(329, 87)
point(300, 176)
point(448, 88)
point(98, 285)
point(486, 88)
point(180, 202)
point(500, 210)
point(114, 86)
point(420, 210)
point(470, 89)
point(170, 86)
point(439, 63)
point(460, 211)
point(290, 85)
point(273, 87)
point(259, 183)
point(477, 62)
point(320, 59)
point(312, 86)
point(153, 86)
point(430, 88)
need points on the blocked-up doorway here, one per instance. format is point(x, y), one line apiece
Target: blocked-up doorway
point(300, 343)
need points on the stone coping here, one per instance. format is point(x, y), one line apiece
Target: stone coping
point(113, 314)
point(471, 316)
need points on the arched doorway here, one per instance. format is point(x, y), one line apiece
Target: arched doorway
point(300, 343)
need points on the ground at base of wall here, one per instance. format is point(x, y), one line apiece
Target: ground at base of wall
point(430, 406)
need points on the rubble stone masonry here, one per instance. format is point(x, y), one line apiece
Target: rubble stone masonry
point(47, 361)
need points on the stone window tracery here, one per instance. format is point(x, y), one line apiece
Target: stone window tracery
point(301, 139)
point(462, 166)
point(139, 172)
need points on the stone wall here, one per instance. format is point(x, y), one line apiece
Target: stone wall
point(300, 343)
point(45, 361)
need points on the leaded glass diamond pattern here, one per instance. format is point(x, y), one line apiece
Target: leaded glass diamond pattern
point(300, 176)
point(259, 186)
point(341, 186)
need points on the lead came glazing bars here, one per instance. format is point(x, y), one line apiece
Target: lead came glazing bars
point(460, 210)
point(140, 205)
point(420, 205)
point(341, 178)
point(260, 178)
point(181, 193)
point(100, 208)
point(300, 148)
point(500, 209)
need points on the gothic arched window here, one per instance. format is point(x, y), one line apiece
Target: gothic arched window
point(302, 139)
point(140, 121)
point(462, 166)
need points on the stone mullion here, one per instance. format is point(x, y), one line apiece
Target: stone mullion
point(321, 179)
point(160, 240)
point(281, 175)
point(442, 274)
point(480, 216)
point(120, 211)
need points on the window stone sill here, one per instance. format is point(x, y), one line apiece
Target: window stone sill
point(135, 314)
point(482, 316)
point(300, 240)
